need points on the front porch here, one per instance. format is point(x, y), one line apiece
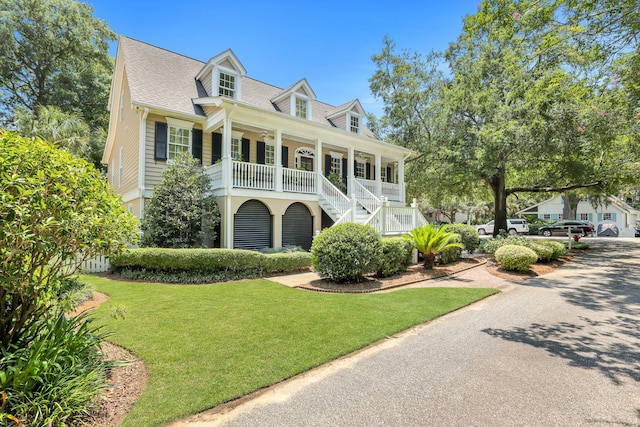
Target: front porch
point(280, 179)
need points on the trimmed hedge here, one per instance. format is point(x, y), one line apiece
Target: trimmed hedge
point(545, 249)
point(396, 256)
point(518, 258)
point(468, 235)
point(346, 252)
point(233, 263)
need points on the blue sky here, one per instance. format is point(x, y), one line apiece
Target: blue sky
point(279, 42)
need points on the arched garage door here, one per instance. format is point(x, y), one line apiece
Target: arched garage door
point(252, 226)
point(297, 226)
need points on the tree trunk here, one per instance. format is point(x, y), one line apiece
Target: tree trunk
point(429, 260)
point(570, 205)
point(497, 183)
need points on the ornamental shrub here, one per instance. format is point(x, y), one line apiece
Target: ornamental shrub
point(559, 249)
point(204, 265)
point(513, 257)
point(396, 256)
point(55, 211)
point(452, 254)
point(544, 252)
point(346, 252)
point(492, 244)
point(468, 235)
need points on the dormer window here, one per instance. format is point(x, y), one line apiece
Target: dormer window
point(301, 107)
point(227, 85)
point(354, 124)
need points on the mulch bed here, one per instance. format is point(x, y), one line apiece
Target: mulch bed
point(415, 273)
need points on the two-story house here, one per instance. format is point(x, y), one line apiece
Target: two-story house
point(268, 150)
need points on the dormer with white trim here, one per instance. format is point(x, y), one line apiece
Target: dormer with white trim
point(296, 100)
point(348, 117)
point(222, 75)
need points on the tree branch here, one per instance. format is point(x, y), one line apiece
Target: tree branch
point(551, 189)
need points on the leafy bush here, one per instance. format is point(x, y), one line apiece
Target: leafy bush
point(431, 241)
point(181, 216)
point(544, 252)
point(492, 244)
point(468, 234)
point(53, 207)
point(283, 249)
point(55, 373)
point(346, 252)
point(452, 254)
point(396, 256)
point(513, 257)
point(558, 248)
point(577, 245)
point(204, 265)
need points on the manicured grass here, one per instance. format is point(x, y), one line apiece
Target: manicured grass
point(207, 344)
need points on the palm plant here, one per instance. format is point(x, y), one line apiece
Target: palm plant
point(431, 241)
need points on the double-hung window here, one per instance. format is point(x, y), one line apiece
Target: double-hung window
point(336, 165)
point(360, 170)
point(584, 217)
point(178, 141)
point(607, 216)
point(236, 154)
point(354, 124)
point(269, 154)
point(227, 85)
point(301, 107)
point(383, 174)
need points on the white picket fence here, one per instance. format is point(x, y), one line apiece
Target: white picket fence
point(96, 265)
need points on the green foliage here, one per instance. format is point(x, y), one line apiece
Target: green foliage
point(468, 236)
point(337, 180)
point(490, 245)
point(213, 343)
point(56, 210)
point(396, 256)
point(577, 245)
point(54, 52)
point(558, 249)
point(204, 265)
point(431, 241)
point(181, 216)
point(545, 249)
point(513, 257)
point(452, 254)
point(283, 249)
point(544, 252)
point(346, 252)
point(54, 373)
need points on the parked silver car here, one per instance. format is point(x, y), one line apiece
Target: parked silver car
point(514, 226)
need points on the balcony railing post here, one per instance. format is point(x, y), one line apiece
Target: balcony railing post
point(414, 217)
point(383, 216)
point(278, 177)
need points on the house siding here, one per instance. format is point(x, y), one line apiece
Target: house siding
point(207, 83)
point(340, 122)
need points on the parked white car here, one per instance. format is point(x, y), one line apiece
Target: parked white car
point(514, 226)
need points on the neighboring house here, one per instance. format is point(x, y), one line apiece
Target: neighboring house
point(267, 150)
point(615, 211)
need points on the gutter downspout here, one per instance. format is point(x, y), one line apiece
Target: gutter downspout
point(142, 153)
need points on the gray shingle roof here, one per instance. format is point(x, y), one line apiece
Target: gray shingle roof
point(164, 79)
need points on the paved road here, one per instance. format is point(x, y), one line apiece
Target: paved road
point(561, 350)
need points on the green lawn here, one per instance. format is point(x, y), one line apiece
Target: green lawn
point(207, 344)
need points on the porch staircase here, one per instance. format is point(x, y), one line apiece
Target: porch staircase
point(366, 208)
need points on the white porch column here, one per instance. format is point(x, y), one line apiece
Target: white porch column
point(227, 241)
point(401, 180)
point(278, 159)
point(227, 161)
point(318, 165)
point(378, 177)
point(350, 172)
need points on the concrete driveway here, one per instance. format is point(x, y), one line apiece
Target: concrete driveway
point(561, 350)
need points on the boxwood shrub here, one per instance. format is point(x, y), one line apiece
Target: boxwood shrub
point(204, 265)
point(396, 256)
point(513, 257)
point(346, 252)
point(468, 236)
point(453, 254)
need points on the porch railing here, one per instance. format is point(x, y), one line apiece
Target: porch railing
point(365, 197)
point(253, 175)
point(389, 190)
point(215, 173)
point(396, 220)
point(297, 181)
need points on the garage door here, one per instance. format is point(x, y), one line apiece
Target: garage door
point(252, 226)
point(297, 227)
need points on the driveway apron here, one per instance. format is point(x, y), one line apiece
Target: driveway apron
point(562, 349)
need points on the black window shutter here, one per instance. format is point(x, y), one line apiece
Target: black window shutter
point(345, 171)
point(196, 144)
point(285, 156)
point(367, 170)
point(216, 147)
point(327, 164)
point(389, 174)
point(245, 149)
point(260, 153)
point(160, 151)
